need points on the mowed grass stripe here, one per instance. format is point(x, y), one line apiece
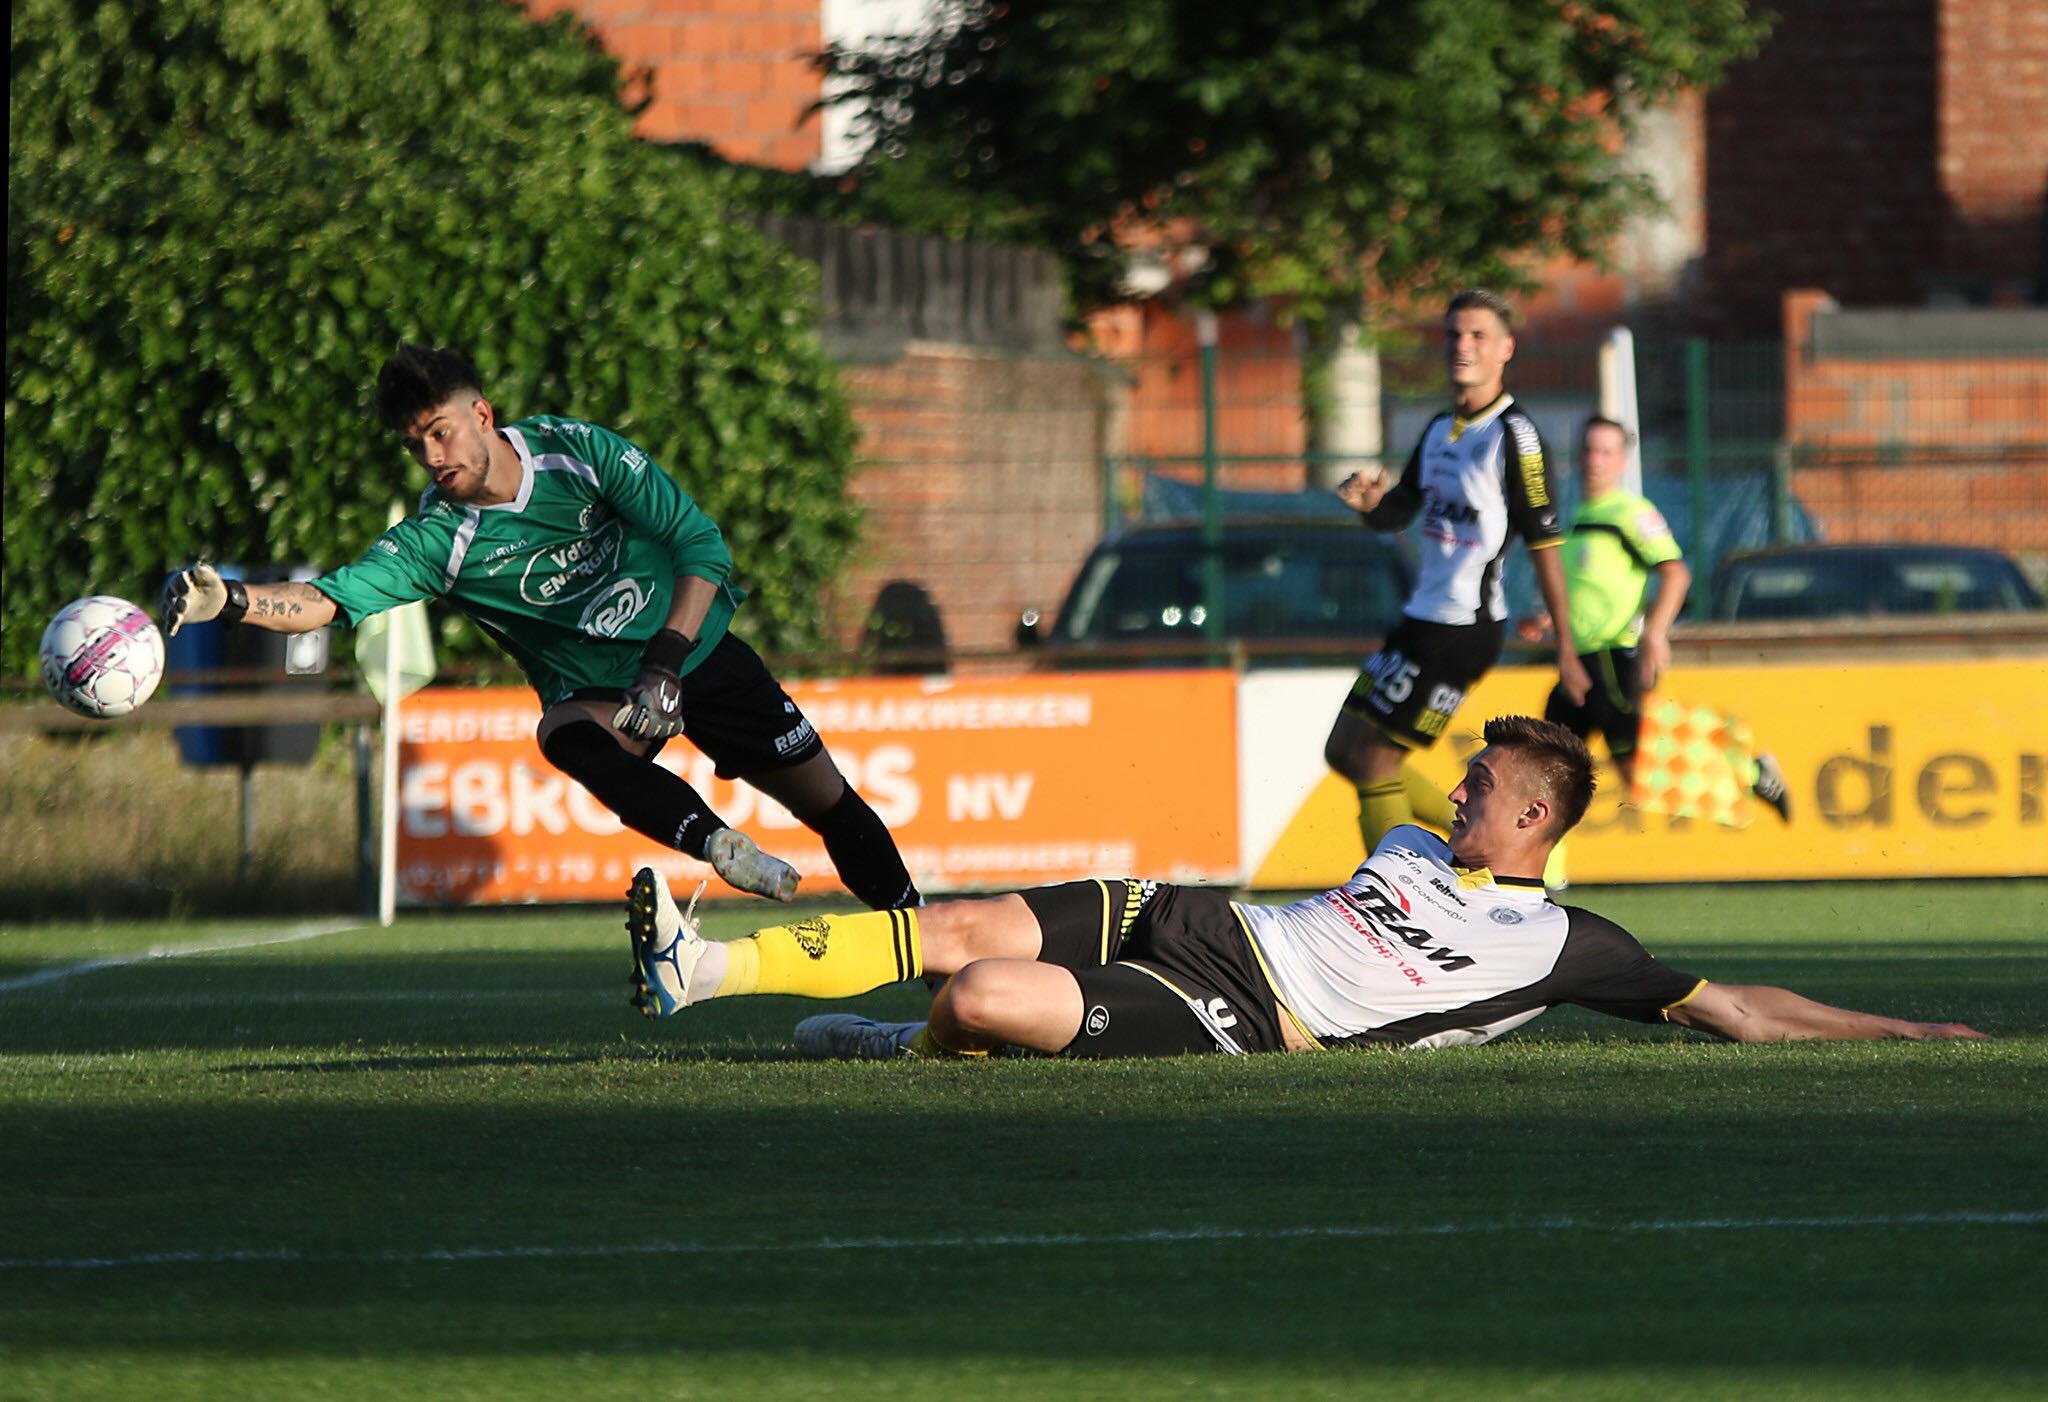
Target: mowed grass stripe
point(1163, 1236)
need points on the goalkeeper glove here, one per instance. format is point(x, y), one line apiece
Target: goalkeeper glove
point(653, 708)
point(197, 594)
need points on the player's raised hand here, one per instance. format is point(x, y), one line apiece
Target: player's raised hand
point(653, 705)
point(197, 594)
point(1362, 490)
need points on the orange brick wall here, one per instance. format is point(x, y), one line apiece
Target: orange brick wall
point(980, 480)
point(1909, 448)
point(1258, 393)
point(730, 73)
point(1994, 137)
point(1820, 164)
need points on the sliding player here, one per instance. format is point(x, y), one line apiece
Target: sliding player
point(1429, 944)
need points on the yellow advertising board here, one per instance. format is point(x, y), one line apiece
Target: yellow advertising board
point(1894, 769)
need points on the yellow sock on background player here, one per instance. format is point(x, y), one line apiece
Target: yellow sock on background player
point(1382, 807)
point(1408, 797)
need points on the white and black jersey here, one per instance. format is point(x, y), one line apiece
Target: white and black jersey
point(1413, 951)
point(1478, 483)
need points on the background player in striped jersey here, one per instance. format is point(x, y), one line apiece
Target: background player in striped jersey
point(1428, 944)
point(612, 589)
point(1616, 542)
point(1478, 477)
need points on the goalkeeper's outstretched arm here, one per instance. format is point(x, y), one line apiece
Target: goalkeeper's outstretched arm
point(197, 594)
point(1765, 1014)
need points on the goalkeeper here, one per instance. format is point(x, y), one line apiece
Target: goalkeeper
point(611, 588)
point(1615, 543)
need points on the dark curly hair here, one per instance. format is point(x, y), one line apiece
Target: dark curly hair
point(418, 378)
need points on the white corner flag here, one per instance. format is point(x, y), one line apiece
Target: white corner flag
point(1618, 399)
point(395, 653)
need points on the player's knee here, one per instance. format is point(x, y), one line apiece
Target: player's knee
point(1346, 753)
point(576, 745)
point(977, 998)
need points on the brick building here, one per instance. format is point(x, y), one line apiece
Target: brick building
point(1893, 153)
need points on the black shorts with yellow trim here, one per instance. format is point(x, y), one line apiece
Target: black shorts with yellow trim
point(1665, 1011)
point(1164, 970)
point(1614, 704)
point(1414, 684)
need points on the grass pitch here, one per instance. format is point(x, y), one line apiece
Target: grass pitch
point(446, 1161)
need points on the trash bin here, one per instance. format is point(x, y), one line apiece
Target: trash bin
point(210, 647)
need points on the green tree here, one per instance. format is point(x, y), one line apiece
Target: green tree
point(223, 213)
point(1323, 153)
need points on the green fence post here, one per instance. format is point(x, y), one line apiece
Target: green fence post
point(1781, 494)
point(1696, 453)
point(1212, 505)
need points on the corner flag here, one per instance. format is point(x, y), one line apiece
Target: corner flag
point(395, 651)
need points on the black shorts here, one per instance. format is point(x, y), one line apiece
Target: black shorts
point(737, 713)
point(1415, 683)
point(1614, 705)
point(1163, 969)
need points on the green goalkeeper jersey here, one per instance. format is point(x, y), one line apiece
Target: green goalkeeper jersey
point(1614, 542)
point(572, 576)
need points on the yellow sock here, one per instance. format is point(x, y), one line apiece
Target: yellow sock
point(1381, 807)
point(1554, 875)
point(827, 956)
point(926, 1045)
point(1430, 804)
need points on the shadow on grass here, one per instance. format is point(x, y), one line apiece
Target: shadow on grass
point(572, 1004)
point(667, 1221)
point(115, 895)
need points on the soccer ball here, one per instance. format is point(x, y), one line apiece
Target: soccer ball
point(102, 656)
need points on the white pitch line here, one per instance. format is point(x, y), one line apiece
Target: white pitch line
point(1163, 1237)
point(175, 951)
point(315, 996)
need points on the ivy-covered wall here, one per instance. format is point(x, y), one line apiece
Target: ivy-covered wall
point(222, 214)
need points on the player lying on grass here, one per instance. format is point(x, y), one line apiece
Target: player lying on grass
point(612, 589)
point(1429, 944)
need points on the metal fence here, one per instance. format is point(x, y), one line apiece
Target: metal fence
point(1743, 446)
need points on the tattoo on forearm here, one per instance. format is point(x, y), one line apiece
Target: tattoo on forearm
point(283, 600)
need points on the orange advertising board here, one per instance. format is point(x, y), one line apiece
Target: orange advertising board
point(986, 784)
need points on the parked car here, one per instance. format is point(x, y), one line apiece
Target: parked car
point(1833, 581)
point(1283, 580)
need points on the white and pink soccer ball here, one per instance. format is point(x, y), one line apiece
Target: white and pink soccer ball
point(102, 656)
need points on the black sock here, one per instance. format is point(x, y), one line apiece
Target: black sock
point(864, 853)
point(647, 798)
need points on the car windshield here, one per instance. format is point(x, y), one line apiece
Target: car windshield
point(1831, 586)
point(1271, 589)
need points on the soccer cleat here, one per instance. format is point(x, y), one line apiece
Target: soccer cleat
point(666, 946)
point(850, 1037)
point(1769, 785)
point(746, 867)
